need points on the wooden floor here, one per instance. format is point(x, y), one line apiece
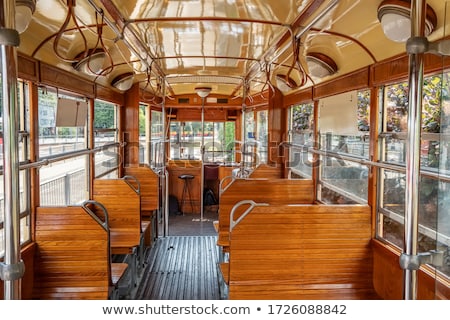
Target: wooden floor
point(182, 265)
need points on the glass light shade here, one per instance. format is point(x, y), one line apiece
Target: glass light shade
point(320, 65)
point(24, 13)
point(92, 64)
point(396, 27)
point(203, 92)
point(394, 16)
point(123, 82)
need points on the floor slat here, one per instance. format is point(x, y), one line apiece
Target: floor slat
point(181, 268)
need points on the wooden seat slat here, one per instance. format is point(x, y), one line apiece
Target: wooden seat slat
point(273, 254)
point(273, 191)
point(123, 206)
point(74, 260)
point(117, 271)
point(225, 271)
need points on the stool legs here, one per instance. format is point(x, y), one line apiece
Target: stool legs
point(186, 191)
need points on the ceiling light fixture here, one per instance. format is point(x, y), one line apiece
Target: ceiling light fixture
point(124, 81)
point(320, 65)
point(394, 16)
point(24, 13)
point(203, 92)
point(90, 63)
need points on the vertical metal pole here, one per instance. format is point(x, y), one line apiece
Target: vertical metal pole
point(165, 173)
point(413, 150)
point(12, 268)
point(202, 173)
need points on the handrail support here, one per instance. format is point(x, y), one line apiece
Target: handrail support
point(413, 262)
point(10, 272)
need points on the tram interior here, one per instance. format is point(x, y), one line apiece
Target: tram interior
point(196, 149)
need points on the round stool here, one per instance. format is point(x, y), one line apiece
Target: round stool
point(186, 191)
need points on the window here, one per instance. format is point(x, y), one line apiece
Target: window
point(343, 131)
point(24, 186)
point(106, 136)
point(64, 180)
point(262, 130)
point(157, 139)
point(434, 196)
point(53, 138)
point(105, 123)
point(144, 133)
point(186, 140)
point(301, 137)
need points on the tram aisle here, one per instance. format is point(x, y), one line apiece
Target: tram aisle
point(181, 268)
point(183, 265)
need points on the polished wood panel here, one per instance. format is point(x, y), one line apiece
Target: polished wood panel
point(388, 276)
point(28, 68)
point(271, 191)
point(303, 96)
point(149, 186)
point(177, 168)
point(55, 77)
point(73, 255)
point(396, 68)
point(105, 93)
point(302, 252)
point(124, 210)
point(27, 255)
point(352, 81)
point(267, 171)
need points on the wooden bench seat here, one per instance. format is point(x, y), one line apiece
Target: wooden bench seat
point(74, 256)
point(122, 202)
point(149, 191)
point(301, 252)
point(273, 191)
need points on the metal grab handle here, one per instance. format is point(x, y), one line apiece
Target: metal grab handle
point(252, 205)
point(104, 224)
point(136, 188)
point(222, 190)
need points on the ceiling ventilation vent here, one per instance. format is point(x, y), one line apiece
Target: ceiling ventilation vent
point(183, 100)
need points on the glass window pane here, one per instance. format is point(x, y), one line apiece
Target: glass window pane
point(23, 152)
point(64, 182)
point(54, 139)
point(301, 136)
point(106, 161)
point(105, 123)
point(262, 135)
point(157, 139)
point(144, 132)
point(346, 177)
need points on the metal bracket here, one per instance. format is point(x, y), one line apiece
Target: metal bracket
point(9, 272)
point(9, 37)
point(416, 45)
point(433, 257)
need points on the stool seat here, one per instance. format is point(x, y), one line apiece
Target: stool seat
point(186, 191)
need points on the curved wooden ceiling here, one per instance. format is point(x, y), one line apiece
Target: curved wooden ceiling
point(227, 45)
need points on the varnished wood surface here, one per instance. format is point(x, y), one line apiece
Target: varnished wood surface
point(178, 168)
point(388, 277)
point(149, 183)
point(124, 211)
point(73, 255)
point(267, 172)
point(302, 252)
point(271, 191)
